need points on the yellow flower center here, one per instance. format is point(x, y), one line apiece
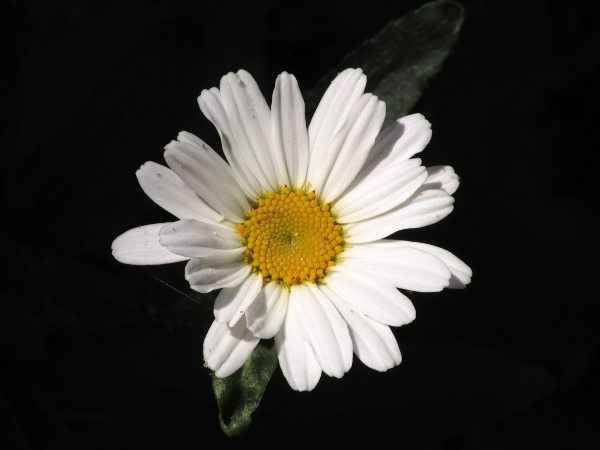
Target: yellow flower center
point(291, 237)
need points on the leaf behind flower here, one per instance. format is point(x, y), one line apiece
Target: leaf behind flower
point(401, 58)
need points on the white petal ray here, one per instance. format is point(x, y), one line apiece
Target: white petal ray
point(422, 209)
point(266, 314)
point(361, 187)
point(398, 142)
point(198, 168)
point(289, 133)
point(331, 113)
point(296, 358)
point(461, 273)
point(231, 303)
point(376, 297)
point(226, 349)
point(340, 328)
point(196, 239)
point(250, 121)
point(195, 141)
point(141, 246)
point(169, 192)
point(349, 148)
point(405, 267)
point(190, 138)
point(317, 330)
point(379, 194)
point(205, 277)
point(373, 342)
point(212, 108)
point(441, 177)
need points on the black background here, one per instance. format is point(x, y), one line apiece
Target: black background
point(100, 355)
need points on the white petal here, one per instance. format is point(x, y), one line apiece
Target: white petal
point(208, 178)
point(331, 113)
point(196, 239)
point(441, 177)
point(349, 148)
point(461, 273)
point(226, 349)
point(404, 267)
point(194, 140)
point(141, 246)
point(212, 107)
point(266, 314)
point(289, 134)
point(379, 194)
point(317, 330)
point(250, 121)
point(296, 358)
point(338, 324)
point(398, 142)
point(377, 298)
point(422, 209)
point(373, 342)
point(205, 277)
point(231, 303)
point(169, 192)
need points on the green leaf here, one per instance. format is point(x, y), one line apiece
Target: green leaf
point(402, 57)
point(239, 394)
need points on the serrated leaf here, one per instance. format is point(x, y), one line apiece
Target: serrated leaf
point(402, 57)
point(239, 394)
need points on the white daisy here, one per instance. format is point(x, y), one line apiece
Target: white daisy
point(291, 226)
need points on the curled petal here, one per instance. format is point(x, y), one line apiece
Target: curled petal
point(226, 348)
point(231, 303)
point(373, 342)
point(141, 246)
point(169, 191)
point(266, 314)
point(441, 177)
point(205, 277)
point(377, 298)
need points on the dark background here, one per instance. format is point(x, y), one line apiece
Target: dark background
point(96, 355)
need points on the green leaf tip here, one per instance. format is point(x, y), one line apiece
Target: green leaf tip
point(239, 394)
point(402, 57)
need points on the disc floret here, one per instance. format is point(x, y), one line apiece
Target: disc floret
point(291, 237)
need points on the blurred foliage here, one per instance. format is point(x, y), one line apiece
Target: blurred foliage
point(239, 394)
point(402, 57)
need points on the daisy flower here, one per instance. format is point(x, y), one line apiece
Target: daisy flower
point(291, 226)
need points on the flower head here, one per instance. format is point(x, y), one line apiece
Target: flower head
point(291, 226)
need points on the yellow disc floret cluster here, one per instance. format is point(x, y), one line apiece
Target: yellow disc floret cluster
point(291, 237)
